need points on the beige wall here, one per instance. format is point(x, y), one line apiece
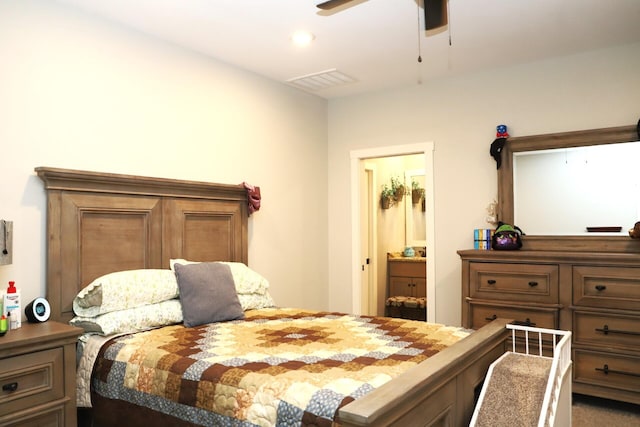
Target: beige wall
point(459, 114)
point(80, 93)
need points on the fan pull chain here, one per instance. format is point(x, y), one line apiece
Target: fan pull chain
point(419, 64)
point(419, 45)
point(449, 21)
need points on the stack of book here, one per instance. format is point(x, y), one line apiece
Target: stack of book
point(482, 238)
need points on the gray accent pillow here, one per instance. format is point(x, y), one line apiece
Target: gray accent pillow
point(207, 293)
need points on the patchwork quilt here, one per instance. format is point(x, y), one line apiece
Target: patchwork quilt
point(284, 367)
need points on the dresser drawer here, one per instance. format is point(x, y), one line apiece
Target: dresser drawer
point(606, 287)
point(519, 282)
point(481, 314)
point(408, 269)
point(606, 330)
point(31, 379)
point(607, 370)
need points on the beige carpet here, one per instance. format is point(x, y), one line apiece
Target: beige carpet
point(593, 412)
point(512, 399)
point(515, 391)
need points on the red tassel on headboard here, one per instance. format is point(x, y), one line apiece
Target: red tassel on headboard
point(254, 197)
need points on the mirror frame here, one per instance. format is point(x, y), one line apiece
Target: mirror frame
point(562, 140)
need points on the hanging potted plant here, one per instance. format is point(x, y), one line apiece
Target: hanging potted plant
point(417, 193)
point(386, 197)
point(397, 187)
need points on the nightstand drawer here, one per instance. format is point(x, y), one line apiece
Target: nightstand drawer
point(481, 314)
point(28, 380)
point(606, 330)
point(44, 417)
point(607, 287)
point(520, 282)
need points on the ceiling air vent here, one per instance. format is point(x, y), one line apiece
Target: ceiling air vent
point(322, 80)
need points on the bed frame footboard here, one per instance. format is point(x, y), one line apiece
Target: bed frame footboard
point(440, 391)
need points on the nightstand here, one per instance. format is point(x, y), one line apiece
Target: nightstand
point(38, 375)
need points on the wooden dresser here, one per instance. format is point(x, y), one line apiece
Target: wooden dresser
point(38, 375)
point(594, 295)
point(406, 278)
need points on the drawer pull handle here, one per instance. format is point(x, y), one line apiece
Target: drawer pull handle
point(533, 284)
point(492, 318)
point(491, 282)
point(600, 287)
point(11, 387)
point(605, 330)
point(526, 322)
point(605, 369)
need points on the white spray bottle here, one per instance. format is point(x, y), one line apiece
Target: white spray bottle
point(11, 306)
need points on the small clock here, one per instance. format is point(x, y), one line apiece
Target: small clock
point(38, 310)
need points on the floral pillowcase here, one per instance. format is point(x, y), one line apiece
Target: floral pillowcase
point(136, 300)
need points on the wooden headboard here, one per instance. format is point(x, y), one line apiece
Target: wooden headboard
point(98, 223)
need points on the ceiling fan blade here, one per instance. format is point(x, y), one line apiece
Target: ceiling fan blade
point(435, 13)
point(332, 4)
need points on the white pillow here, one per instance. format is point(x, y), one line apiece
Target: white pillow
point(246, 280)
point(132, 319)
point(122, 290)
point(255, 301)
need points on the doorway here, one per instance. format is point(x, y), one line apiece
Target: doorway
point(363, 273)
point(368, 242)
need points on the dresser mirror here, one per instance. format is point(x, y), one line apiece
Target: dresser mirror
point(563, 188)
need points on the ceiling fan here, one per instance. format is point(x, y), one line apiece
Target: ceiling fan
point(435, 11)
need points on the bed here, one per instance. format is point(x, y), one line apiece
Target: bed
point(99, 223)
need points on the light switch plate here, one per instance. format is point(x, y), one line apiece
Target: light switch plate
point(6, 242)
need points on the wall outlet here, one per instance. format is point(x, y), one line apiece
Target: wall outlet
point(6, 242)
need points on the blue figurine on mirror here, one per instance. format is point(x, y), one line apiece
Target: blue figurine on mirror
point(496, 146)
point(501, 131)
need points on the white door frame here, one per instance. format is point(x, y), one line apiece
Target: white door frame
point(369, 172)
point(395, 150)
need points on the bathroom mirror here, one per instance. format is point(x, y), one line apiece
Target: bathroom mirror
point(415, 215)
point(544, 177)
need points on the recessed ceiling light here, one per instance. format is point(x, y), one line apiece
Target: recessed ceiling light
point(302, 38)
